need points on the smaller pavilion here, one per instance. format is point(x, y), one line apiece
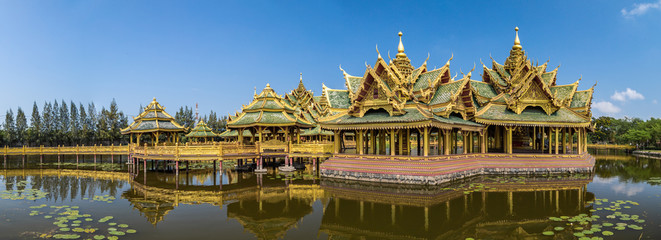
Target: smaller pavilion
point(155, 122)
point(201, 132)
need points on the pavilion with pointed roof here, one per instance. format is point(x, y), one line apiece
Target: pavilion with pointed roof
point(523, 107)
point(201, 131)
point(393, 101)
point(269, 117)
point(155, 122)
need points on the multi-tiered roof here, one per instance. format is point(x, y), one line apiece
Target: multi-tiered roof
point(520, 93)
point(153, 119)
point(201, 131)
point(397, 95)
point(268, 109)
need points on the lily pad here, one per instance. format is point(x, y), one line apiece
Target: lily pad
point(548, 233)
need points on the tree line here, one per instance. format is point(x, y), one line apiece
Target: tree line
point(186, 118)
point(59, 123)
point(630, 131)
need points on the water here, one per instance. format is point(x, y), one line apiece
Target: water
point(203, 204)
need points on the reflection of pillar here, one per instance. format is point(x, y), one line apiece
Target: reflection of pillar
point(362, 211)
point(337, 206)
point(557, 201)
point(510, 202)
point(392, 214)
point(426, 218)
point(447, 210)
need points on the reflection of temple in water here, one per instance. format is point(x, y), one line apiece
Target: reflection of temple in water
point(487, 206)
point(504, 211)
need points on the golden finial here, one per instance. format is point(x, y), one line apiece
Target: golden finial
point(255, 91)
point(517, 42)
point(301, 78)
point(343, 72)
point(154, 99)
point(400, 47)
point(377, 51)
point(268, 85)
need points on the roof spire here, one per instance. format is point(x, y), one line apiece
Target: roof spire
point(301, 78)
point(517, 42)
point(400, 47)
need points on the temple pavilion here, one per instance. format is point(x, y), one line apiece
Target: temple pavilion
point(201, 132)
point(269, 117)
point(524, 109)
point(397, 109)
point(155, 122)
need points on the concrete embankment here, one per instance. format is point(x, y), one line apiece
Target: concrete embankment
point(650, 154)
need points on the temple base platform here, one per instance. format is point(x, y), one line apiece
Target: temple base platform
point(434, 170)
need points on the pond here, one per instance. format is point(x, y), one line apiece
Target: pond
point(621, 200)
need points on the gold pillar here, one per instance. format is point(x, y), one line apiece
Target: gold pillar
point(509, 140)
point(426, 141)
point(336, 141)
point(556, 139)
point(483, 143)
point(401, 144)
point(392, 142)
point(564, 140)
point(465, 141)
point(359, 142)
point(373, 142)
point(550, 140)
point(534, 138)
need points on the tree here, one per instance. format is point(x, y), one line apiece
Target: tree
point(9, 128)
point(84, 126)
point(64, 123)
point(47, 124)
point(91, 122)
point(35, 126)
point(21, 127)
point(74, 126)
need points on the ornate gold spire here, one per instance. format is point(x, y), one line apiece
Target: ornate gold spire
point(401, 61)
point(400, 47)
point(517, 42)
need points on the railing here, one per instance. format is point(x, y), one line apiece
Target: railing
point(196, 152)
point(65, 150)
point(611, 146)
point(314, 148)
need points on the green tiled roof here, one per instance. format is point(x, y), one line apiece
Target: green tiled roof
point(381, 116)
point(316, 131)
point(155, 124)
point(496, 77)
point(316, 99)
point(501, 113)
point(444, 92)
point(246, 119)
point(456, 120)
point(354, 83)
point(153, 119)
point(201, 130)
point(563, 92)
point(339, 98)
point(483, 89)
point(547, 78)
point(275, 118)
point(234, 133)
point(423, 80)
point(502, 98)
point(501, 68)
point(580, 99)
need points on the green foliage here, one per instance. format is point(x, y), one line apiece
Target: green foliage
point(633, 131)
point(64, 124)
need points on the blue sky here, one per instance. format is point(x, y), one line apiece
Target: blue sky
point(216, 52)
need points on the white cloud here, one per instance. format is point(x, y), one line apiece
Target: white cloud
point(628, 94)
point(640, 9)
point(628, 190)
point(655, 101)
point(606, 107)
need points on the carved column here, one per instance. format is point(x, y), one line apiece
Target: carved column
point(550, 140)
point(557, 131)
point(426, 141)
point(564, 140)
point(336, 141)
point(401, 143)
point(392, 142)
point(359, 142)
